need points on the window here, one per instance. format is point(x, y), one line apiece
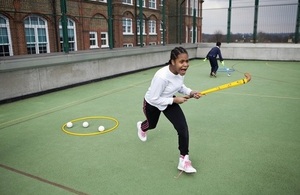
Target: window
point(161, 29)
point(161, 2)
point(71, 35)
point(190, 8)
point(127, 2)
point(138, 27)
point(104, 40)
point(127, 26)
point(139, 43)
point(36, 33)
point(5, 37)
point(152, 4)
point(143, 3)
point(152, 27)
point(93, 40)
point(192, 34)
point(127, 45)
point(100, 0)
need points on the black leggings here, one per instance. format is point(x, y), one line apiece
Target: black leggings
point(175, 115)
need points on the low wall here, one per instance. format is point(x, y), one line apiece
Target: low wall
point(250, 51)
point(23, 76)
point(27, 75)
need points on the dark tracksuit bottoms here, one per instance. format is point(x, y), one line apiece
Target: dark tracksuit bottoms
point(213, 64)
point(175, 115)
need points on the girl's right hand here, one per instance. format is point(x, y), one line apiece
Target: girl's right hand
point(180, 100)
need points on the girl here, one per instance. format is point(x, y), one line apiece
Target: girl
point(160, 97)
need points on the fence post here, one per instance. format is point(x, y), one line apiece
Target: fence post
point(110, 24)
point(255, 21)
point(180, 22)
point(297, 24)
point(164, 22)
point(141, 21)
point(229, 22)
point(63, 6)
point(194, 23)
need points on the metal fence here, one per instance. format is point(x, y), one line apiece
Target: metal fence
point(267, 22)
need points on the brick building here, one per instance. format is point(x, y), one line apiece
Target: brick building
point(35, 27)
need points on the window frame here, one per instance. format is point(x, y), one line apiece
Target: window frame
point(127, 25)
point(128, 2)
point(95, 38)
point(106, 40)
point(152, 27)
point(36, 29)
point(69, 27)
point(152, 4)
point(9, 44)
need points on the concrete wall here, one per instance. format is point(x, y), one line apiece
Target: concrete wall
point(21, 76)
point(27, 75)
point(250, 51)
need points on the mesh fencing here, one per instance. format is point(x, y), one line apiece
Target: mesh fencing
point(276, 23)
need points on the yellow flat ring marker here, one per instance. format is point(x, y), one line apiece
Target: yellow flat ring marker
point(94, 133)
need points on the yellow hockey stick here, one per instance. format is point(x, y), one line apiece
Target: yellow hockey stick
point(228, 85)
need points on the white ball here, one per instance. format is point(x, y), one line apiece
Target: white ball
point(229, 75)
point(69, 124)
point(85, 124)
point(101, 128)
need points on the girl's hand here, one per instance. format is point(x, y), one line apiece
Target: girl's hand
point(195, 94)
point(180, 100)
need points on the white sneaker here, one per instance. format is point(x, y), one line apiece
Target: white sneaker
point(142, 135)
point(186, 165)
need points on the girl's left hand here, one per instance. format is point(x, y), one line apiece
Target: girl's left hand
point(195, 94)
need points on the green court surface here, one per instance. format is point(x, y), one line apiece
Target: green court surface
point(243, 140)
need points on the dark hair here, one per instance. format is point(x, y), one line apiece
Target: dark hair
point(175, 52)
point(218, 43)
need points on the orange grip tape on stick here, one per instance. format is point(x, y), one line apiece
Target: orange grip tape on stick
point(228, 85)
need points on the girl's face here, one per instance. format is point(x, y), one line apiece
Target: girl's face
point(180, 64)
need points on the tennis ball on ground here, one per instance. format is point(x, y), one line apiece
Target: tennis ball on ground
point(101, 128)
point(69, 124)
point(85, 124)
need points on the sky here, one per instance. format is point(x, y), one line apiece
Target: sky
point(274, 16)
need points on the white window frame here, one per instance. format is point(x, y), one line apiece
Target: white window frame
point(35, 28)
point(139, 43)
point(104, 1)
point(104, 39)
point(152, 27)
point(95, 38)
point(161, 29)
point(127, 26)
point(129, 2)
point(127, 45)
point(6, 26)
point(152, 4)
point(192, 35)
point(161, 3)
point(138, 4)
point(69, 27)
point(143, 27)
point(190, 8)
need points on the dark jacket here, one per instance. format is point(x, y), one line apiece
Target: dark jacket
point(214, 52)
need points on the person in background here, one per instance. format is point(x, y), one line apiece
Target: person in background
point(212, 57)
point(160, 97)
